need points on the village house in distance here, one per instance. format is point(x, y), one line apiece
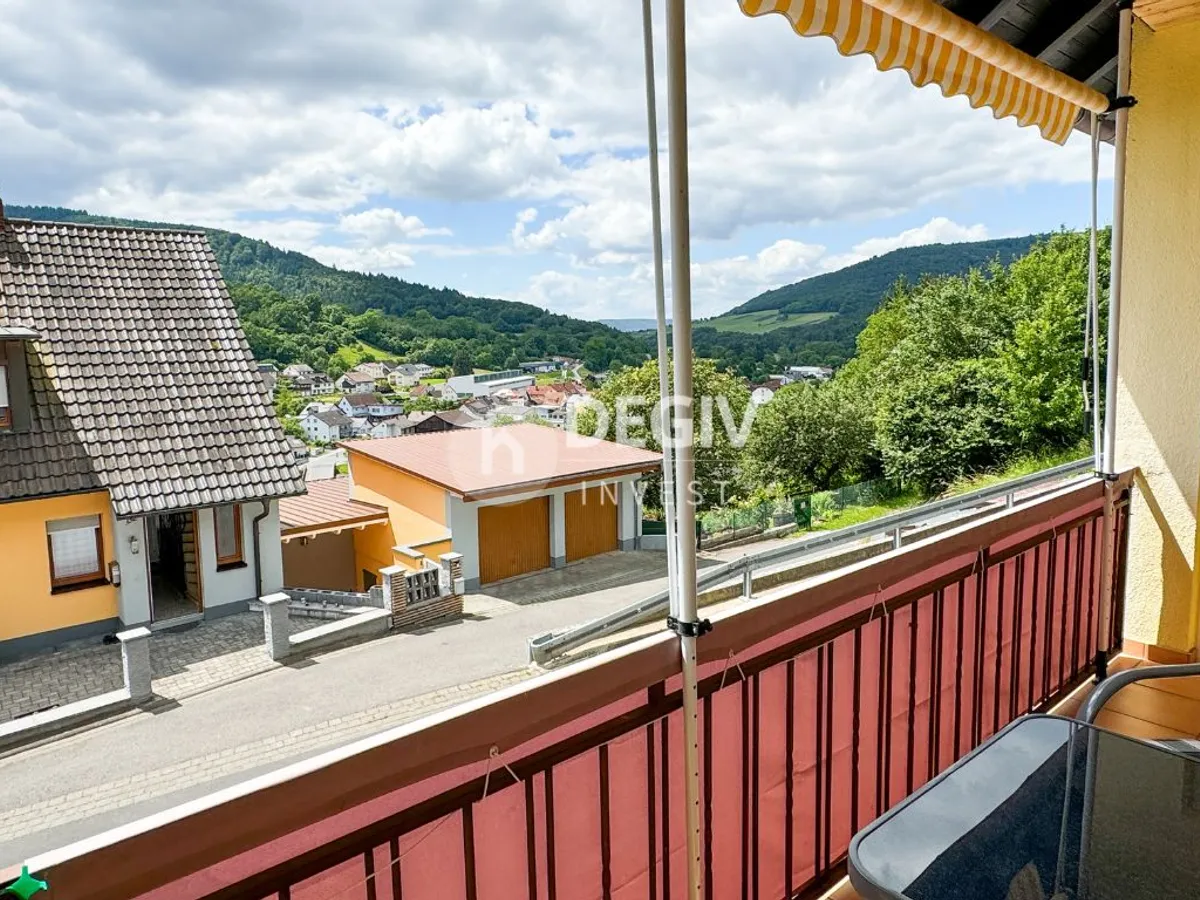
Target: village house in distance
point(142, 461)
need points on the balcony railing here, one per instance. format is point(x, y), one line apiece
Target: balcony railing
point(821, 706)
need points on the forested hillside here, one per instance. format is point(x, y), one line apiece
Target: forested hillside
point(953, 376)
point(850, 295)
point(294, 308)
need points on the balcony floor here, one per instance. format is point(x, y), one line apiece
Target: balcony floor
point(1165, 708)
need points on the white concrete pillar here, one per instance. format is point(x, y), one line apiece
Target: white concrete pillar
point(130, 550)
point(135, 663)
point(452, 576)
point(629, 517)
point(558, 529)
point(464, 533)
point(275, 625)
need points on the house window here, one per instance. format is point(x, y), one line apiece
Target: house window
point(5, 409)
point(76, 552)
point(229, 535)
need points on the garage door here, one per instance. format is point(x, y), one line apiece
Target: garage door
point(591, 522)
point(514, 538)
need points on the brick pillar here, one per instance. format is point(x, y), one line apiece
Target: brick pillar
point(395, 589)
point(135, 663)
point(275, 624)
point(452, 573)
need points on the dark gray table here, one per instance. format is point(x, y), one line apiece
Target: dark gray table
point(1047, 808)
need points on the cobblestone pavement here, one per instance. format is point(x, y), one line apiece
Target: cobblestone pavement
point(77, 806)
point(183, 662)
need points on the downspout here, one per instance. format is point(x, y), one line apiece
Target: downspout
point(1108, 550)
point(1122, 103)
point(256, 537)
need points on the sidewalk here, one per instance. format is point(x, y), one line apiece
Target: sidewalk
point(183, 663)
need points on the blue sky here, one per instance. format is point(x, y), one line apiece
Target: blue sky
point(501, 148)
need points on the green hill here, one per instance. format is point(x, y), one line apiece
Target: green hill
point(856, 290)
point(816, 321)
point(295, 309)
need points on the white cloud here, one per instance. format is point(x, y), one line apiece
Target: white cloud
point(380, 225)
point(319, 137)
point(720, 284)
point(938, 230)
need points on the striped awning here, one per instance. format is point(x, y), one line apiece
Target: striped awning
point(937, 47)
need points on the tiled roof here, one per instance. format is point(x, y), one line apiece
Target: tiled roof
point(354, 400)
point(334, 417)
point(359, 377)
point(326, 503)
point(482, 462)
point(142, 381)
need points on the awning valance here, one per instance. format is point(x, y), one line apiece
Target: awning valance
point(937, 47)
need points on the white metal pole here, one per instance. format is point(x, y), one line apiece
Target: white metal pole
point(1094, 295)
point(1108, 550)
point(681, 332)
point(660, 305)
point(1125, 39)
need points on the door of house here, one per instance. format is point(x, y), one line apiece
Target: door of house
point(514, 538)
point(591, 519)
point(174, 565)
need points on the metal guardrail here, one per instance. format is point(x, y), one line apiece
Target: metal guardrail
point(545, 647)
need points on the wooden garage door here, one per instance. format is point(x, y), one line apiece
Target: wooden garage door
point(514, 538)
point(591, 522)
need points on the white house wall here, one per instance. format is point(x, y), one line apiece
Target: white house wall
point(134, 591)
point(230, 590)
point(464, 530)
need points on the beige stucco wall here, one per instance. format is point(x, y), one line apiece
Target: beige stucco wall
point(1159, 399)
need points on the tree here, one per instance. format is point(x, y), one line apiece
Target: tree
point(287, 401)
point(950, 423)
point(811, 437)
point(462, 363)
point(719, 479)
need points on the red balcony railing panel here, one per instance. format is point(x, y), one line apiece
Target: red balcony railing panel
point(837, 707)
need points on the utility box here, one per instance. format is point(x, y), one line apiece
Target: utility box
point(802, 506)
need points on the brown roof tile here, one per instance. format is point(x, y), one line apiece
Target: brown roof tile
point(326, 503)
point(142, 381)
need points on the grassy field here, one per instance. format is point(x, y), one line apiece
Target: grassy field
point(764, 320)
point(353, 355)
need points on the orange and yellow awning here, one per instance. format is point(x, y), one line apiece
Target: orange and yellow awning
point(937, 47)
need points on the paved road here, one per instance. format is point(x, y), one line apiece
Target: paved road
point(87, 783)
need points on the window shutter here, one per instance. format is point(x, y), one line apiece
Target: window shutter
point(18, 386)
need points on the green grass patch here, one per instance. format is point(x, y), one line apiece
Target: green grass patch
point(1021, 466)
point(764, 320)
point(433, 381)
point(856, 515)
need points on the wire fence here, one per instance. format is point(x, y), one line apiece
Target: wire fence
point(803, 511)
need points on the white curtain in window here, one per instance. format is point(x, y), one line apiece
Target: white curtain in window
point(3, 385)
point(227, 543)
point(73, 546)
